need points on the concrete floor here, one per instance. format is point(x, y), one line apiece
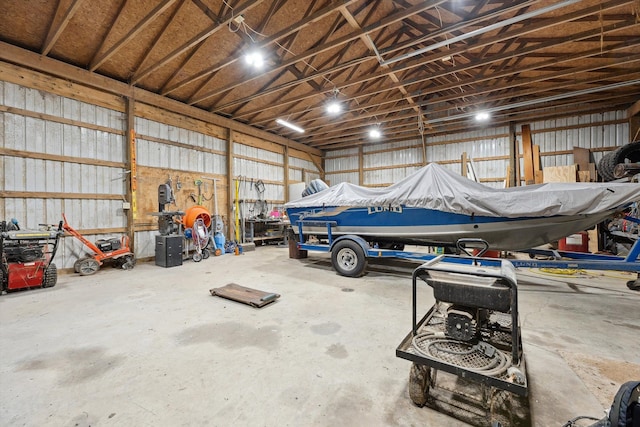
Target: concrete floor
point(152, 347)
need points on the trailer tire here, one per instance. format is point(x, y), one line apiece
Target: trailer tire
point(348, 258)
point(50, 276)
point(419, 383)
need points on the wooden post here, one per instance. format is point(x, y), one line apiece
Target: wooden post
point(286, 172)
point(537, 168)
point(230, 183)
point(514, 158)
point(360, 166)
point(132, 186)
point(527, 152)
point(463, 164)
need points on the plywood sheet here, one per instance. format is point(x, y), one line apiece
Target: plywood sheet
point(584, 176)
point(581, 157)
point(560, 174)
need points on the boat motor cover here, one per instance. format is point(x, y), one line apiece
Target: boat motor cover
point(435, 187)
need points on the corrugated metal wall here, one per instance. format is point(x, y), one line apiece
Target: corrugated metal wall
point(386, 163)
point(86, 184)
point(599, 132)
point(342, 166)
point(69, 155)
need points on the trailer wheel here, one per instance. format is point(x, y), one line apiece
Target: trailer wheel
point(88, 266)
point(419, 383)
point(50, 277)
point(348, 258)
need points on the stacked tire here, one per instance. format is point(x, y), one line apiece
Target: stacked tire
point(629, 153)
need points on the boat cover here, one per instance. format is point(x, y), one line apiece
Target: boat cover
point(435, 187)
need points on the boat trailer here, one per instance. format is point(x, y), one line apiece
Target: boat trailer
point(349, 255)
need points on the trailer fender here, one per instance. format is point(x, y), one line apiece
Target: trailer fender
point(359, 240)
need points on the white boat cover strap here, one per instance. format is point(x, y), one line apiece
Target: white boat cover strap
point(435, 187)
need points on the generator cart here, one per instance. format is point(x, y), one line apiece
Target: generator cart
point(26, 257)
point(113, 249)
point(467, 350)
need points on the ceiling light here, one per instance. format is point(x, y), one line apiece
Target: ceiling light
point(289, 125)
point(334, 107)
point(375, 133)
point(254, 59)
point(482, 116)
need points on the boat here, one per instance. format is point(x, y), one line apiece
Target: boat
point(435, 206)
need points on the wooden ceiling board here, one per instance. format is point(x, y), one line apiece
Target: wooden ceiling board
point(24, 23)
point(389, 60)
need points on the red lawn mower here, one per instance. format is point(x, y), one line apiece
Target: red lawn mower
point(104, 249)
point(26, 257)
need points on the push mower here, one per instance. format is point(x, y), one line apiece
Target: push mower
point(104, 249)
point(26, 257)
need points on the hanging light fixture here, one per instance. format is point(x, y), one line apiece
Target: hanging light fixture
point(375, 132)
point(290, 125)
point(254, 59)
point(482, 116)
point(334, 106)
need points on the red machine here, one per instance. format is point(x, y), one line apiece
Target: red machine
point(26, 258)
point(110, 249)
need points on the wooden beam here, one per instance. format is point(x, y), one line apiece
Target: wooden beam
point(360, 166)
point(286, 173)
point(230, 187)
point(151, 16)
point(222, 24)
point(132, 177)
point(56, 29)
point(25, 58)
point(634, 110)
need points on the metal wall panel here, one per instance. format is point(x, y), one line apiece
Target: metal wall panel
point(587, 131)
point(336, 178)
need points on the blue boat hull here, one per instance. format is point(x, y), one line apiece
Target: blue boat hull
point(431, 227)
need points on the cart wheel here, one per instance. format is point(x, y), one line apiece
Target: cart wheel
point(129, 262)
point(419, 383)
point(205, 253)
point(196, 257)
point(50, 277)
point(88, 266)
point(76, 265)
point(348, 259)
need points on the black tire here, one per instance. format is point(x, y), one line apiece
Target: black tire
point(88, 266)
point(196, 257)
point(628, 153)
point(419, 383)
point(50, 276)
point(634, 285)
point(2, 287)
point(619, 413)
point(348, 258)
point(606, 166)
point(205, 253)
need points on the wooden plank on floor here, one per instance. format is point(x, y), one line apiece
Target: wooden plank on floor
point(245, 295)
